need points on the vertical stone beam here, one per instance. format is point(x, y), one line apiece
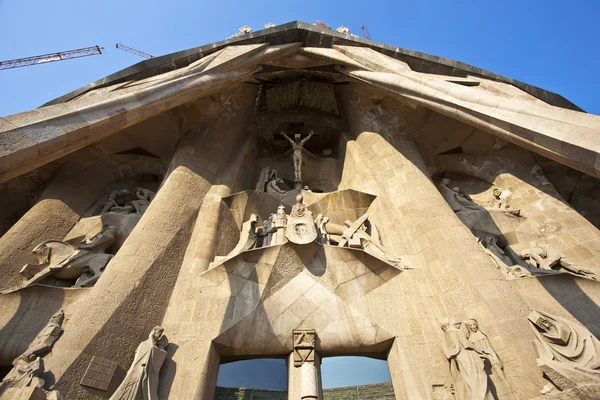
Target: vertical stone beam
point(454, 275)
point(304, 374)
point(133, 293)
point(203, 243)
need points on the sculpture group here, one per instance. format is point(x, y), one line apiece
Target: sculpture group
point(300, 227)
point(27, 375)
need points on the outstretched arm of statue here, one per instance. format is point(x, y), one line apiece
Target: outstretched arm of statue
point(308, 137)
point(288, 138)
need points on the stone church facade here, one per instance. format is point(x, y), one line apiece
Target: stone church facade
point(300, 193)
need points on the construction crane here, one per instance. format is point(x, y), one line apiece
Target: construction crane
point(365, 32)
point(46, 58)
point(134, 51)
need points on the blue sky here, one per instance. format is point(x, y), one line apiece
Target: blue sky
point(548, 43)
point(272, 373)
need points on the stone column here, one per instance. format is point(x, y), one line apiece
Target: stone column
point(136, 287)
point(453, 275)
point(304, 374)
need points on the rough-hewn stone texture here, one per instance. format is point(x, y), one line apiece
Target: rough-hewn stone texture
point(416, 260)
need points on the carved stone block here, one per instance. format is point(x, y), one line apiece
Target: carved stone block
point(304, 346)
point(99, 373)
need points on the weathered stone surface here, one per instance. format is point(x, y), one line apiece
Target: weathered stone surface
point(422, 195)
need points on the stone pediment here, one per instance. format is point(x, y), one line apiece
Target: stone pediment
point(267, 292)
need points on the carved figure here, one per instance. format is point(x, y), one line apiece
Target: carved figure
point(268, 230)
point(321, 223)
point(60, 259)
point(502, 200)
point(28, 368)
point(247, 236)
point(568, 353)
point(491, 243)
point(546, 258)
point(472, 338)
point(27, 371)
point(457, 200)
point(144, 197)
point(300, 227)
point(141, 381)
point(44, 341)
point(121, 201)
point(117, 202)
point(466, 361)
point(298, 147)
point(272, 187)
point(356, 236)
point(267, 174)
point(280, 224)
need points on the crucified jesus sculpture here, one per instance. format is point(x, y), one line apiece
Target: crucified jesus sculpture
point(298, 148)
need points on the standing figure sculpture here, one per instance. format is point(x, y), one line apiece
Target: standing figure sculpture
point(298, 148)
point(141, 381)
point(466, 361)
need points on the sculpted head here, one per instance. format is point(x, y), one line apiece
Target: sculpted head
point(297, 136)
point(497, 192)
point(471, 325)
point(157, 333)
point(299, 199)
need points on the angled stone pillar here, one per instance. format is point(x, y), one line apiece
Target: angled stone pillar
point(134, 291)
point(453, 275)
point(304, 367)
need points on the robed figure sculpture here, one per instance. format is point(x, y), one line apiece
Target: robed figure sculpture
point(141, 381)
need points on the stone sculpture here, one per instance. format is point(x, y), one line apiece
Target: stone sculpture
point(247, 237)
point(300, 227)
point(84, 263)
point(502, 200)
point(144, 197)
point(267, 174)
point(545, 258)
point(568, 353)
point(457, 200)
point(298, 148)
point(279, 224)
point(122, 202)
point(273, 188)
point(28, 368)
point(27, 371)
point(491, 243)
point(321, 223)
point(355, 235)
point(442, 391)
point(268, 230)
point(466, 347)
point(44, 341)
point(141, 381)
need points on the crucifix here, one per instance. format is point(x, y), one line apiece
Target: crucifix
point(298, 148)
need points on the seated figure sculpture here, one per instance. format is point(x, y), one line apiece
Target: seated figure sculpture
point(567, 352)
point(84, 263)
point(273, 187)
point(300, 227)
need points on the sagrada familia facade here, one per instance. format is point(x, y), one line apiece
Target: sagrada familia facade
point(298, 193)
